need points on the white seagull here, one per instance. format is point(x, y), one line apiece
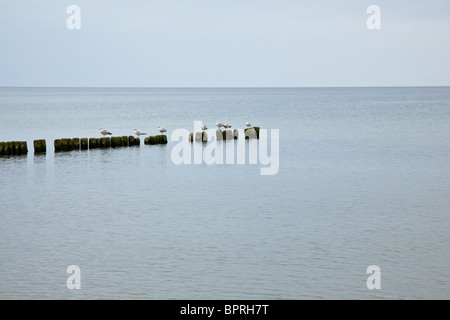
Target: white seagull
point(219, 124)
point(138, 133)
point(162, 129)
point(104, 132)
point(248, 124)
point(226, 125)
point(204, 127)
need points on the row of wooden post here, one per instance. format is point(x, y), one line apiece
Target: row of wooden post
point(70, 144)
point(13, 148)
point(250, 133)
point(105, 142)
point(67, 144)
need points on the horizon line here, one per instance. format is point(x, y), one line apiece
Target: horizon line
point(223, 87)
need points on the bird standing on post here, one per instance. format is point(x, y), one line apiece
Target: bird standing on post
point(138, 133)
point(162, 129)
point(219, 124)
point(104, 132)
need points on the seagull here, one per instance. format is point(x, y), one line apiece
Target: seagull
point(248, 124)
point(138, 133)
point(219, 124)
point(104, 132)
point(227, 126)
point(204, 127)
point(162, 129)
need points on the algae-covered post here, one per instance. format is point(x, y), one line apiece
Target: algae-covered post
point(152, 140)
point(105, 142)
point(58, 145)
point(23, 147)
point(131, 140)
point(125, 141)
point(43, 146)
point(84, 143)
point(8, 148)
point(119, 141)
point(116, 142)
point(93, 143)
point(75, 143)
point(16, 148)
point(67, 144)
point(37, 146)
point(40, 146)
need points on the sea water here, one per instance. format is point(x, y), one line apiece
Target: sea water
point(364, 179)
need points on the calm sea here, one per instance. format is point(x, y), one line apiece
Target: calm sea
point(364, 179)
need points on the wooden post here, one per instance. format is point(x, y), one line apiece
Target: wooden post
point(84, 143)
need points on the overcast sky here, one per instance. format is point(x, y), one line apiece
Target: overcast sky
point(224, 43)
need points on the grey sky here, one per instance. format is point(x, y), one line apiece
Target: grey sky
point(224, 43)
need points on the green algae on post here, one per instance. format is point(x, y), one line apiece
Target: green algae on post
point(93, 143)
point(75, 143)
point(40, 146)
point(105, 142)
point(84, 143)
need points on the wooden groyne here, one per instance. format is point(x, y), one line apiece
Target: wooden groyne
point(71, 144)
point(13, 148)
point(75, 144)
point(159, 139)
